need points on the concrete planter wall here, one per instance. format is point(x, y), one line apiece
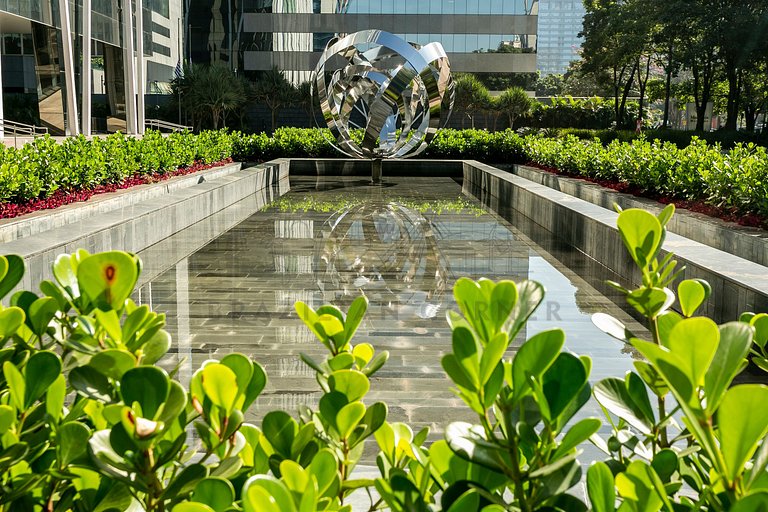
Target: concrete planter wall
point(136, 218)
point(738, 285)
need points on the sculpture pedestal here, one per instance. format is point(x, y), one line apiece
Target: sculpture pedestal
point(376, 171)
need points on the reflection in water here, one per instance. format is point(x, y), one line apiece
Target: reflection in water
point(389, 253)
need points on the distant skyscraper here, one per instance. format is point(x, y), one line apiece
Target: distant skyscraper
point(560, 22)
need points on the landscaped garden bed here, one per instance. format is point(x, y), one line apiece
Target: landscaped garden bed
point(729, 184)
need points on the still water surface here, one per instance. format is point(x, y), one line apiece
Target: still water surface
point(403, 245)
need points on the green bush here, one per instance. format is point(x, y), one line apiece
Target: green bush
point(681, 139)
point(89, 422)
point(735, 179)
point(41, 167)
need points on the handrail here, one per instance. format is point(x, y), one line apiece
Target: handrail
point(15, 128)
point(165, 125)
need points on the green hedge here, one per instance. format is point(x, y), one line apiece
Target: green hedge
point(681, 139)
point(736, 179)
point(43, 166)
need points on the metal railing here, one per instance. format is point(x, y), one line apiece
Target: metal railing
point(15, 128)
point(157, 124)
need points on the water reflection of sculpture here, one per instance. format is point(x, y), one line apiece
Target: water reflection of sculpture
point(388, 252)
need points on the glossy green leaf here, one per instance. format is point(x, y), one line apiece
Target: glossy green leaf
point(42, 369)
point(280, 430)
point(530, 294)
point(576, 435)
point(533, 358)
point(735, 340)
point(107, 278)
point(10, 320)
point(262, 493)
point(324, 467)
point(638, 486)
point(189, 506)
point(613, 395)
point(90, 383)
point(7, 418)
point(742, 423)
point(665, 463)
point(694, 341)
point(71, 442)
point(220, 386)
point(113, 363)
point(40, 314)
point(562, 383)
point(215, 492)
point(351, 383)
point(146, 385)
point(465, 348)
point(16, 385)
point(651, 302)
point(692, 293)
point(492, 356)
point(348, 418)
point(600, 488)
point(757, 502)
point(641, 233)
point(355, 315)
point(65, 272)
point(503, 300)
point(611, 326)
point(456, 372)
point(469, 442)
point(11, 271)
point(54, 397)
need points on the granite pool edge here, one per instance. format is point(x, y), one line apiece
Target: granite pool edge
point(738, 284)
point(145, 223)
point(745, 242)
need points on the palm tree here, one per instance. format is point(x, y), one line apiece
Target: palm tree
point(210, 92)
point(275, 91)
point(514, 102)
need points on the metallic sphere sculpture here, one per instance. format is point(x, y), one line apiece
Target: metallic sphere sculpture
point(383, 84)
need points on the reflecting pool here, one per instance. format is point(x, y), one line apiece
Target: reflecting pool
point(403, 245)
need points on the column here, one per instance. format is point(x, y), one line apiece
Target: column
point(129, 63)
point(2, 111)
point(69, 68)
point(85, 71)
point(140, 69)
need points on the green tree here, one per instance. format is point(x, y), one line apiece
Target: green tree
point(209, 93)
point(275, 91)
point(471, 96)
point(515, 103)
point(612, 48)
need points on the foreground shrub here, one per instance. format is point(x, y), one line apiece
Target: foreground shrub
point(88, 422)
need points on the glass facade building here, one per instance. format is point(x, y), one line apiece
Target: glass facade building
point(481, 36)
point(560, 22)
point(44, 43)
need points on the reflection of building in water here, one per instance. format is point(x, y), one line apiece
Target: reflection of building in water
point(493, 37)
point(43, 76)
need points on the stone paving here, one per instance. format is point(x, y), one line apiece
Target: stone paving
point(237, 292)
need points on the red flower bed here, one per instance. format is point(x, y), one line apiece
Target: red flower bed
point(727, 214)
point(62, 197)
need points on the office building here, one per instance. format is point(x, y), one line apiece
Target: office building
point(485, 37)
point(45, 42)
point(560, 22)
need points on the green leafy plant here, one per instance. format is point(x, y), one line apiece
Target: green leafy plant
point(712, 441)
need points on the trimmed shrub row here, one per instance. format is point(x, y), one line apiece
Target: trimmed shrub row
point(42, 167)
point(736, 180)
point(726, 139)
